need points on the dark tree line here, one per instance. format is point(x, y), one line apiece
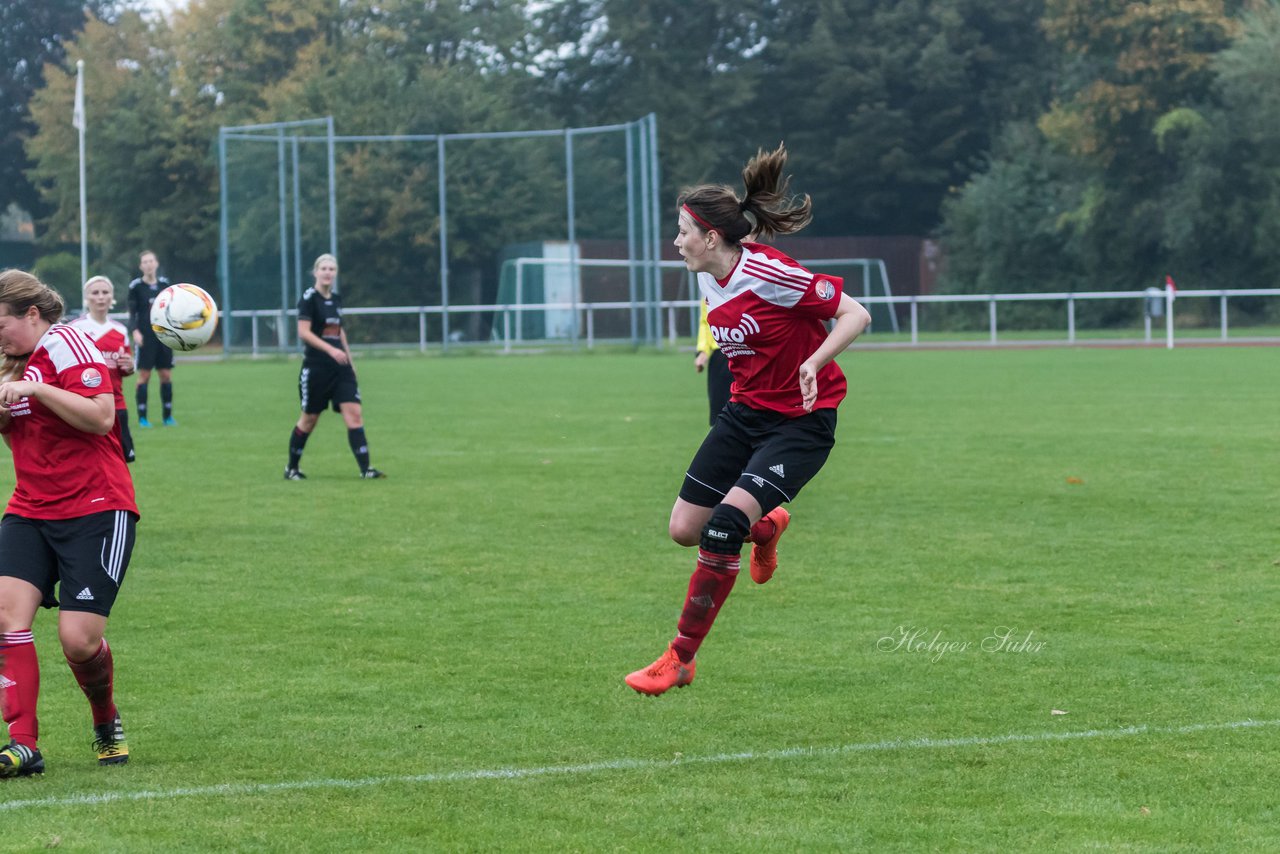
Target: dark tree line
point(1053, 144)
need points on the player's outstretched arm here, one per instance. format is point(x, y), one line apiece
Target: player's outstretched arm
point(851, 319)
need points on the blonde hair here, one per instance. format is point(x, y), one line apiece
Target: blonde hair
point(325, 257)
point(84, 291)
point(20, 291)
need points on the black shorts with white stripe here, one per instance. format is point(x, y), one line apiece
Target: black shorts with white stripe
point(766, 453)
point(325, 384)
point(86, 557)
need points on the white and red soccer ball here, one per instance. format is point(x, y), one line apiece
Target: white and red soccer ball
point(184, 317)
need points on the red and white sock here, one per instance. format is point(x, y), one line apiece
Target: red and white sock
point(20, 685)
point(709, 586)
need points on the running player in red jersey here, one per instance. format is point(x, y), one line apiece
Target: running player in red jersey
point(769, 317)
point(70, 523)
point(112, 338)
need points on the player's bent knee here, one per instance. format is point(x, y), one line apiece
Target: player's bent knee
point(81, 642)
point(726, 530)
point(684, 533)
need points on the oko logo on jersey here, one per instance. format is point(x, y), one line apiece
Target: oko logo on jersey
point(736, 334)
point(732, 339)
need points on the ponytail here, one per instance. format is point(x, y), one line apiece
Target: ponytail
point(765, 210)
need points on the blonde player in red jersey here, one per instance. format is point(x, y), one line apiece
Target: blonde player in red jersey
point(768, 315)
point(112, 338)
point(70, 523)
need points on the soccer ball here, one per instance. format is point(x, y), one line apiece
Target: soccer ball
point(184, 317)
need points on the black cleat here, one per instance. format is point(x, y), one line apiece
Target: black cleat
point(108, 740)
point(18, 760)
point(372, 474)
point(294, 474)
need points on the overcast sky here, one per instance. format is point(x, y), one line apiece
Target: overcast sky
point(165, 6)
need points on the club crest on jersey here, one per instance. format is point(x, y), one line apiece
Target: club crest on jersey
point(824, 289)
point(91, 377)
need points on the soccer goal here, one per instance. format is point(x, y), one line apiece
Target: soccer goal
point(427, 220)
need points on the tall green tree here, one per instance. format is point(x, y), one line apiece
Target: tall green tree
point(1130, 65)
point(885, 107)
point(32, 35)
point(1221, 203)
point(694, 65)
point(1131, 80)
point(156, 95)
point(889, 106)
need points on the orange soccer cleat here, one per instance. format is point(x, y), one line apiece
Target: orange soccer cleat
point(664, 674)
point(764, 555)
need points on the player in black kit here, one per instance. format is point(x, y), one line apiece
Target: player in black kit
point(151, 353)
point(328, 377)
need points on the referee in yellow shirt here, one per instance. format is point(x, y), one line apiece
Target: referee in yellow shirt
point(710, 359)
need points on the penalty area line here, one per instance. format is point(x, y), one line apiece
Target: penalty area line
point(480, 774)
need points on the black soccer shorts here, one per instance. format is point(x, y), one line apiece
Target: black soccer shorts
point(321, 385)
point(153, 355)
point(766, 453)
point(87, 555)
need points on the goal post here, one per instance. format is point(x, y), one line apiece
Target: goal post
point(425, 219)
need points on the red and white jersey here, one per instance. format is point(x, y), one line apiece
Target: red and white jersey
point(62, 472)
point(768, 317)
point(111, 337)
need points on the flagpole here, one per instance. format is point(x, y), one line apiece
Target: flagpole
point(77, 119)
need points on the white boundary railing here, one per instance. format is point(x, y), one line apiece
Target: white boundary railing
point(510, 314)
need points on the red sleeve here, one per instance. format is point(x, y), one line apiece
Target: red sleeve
point(85, 380)
point(821, 298)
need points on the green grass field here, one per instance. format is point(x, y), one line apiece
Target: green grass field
point(435, 661)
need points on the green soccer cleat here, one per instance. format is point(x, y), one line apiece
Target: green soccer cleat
point(108, 740)
point(18, 760)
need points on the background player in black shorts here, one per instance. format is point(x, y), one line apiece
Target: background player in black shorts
point(767, 314)
point(327, 377)
point(152, 355)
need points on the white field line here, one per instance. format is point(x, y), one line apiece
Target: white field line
point(225, 789)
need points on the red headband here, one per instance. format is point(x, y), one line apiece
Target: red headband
point(708, 226)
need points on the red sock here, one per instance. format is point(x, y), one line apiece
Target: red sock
point(96, 677)
point(762, 530)
point(708, 588)
point(20, 685)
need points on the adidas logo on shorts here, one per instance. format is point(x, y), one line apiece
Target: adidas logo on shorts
point(777, 470)
point(6, 682)
point(85, 595)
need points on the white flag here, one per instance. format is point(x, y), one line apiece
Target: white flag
point(77, 113)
